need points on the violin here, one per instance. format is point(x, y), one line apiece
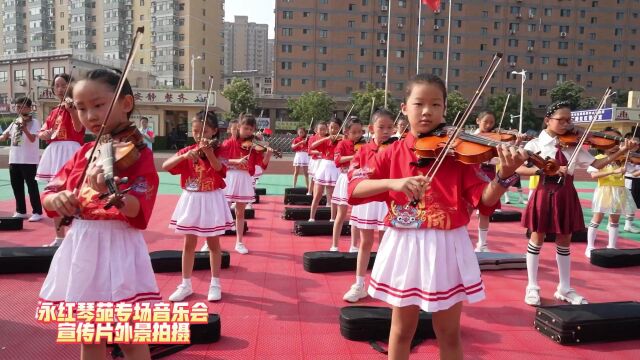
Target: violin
point(387, 142)
point(358, 144)
point(258, 146)
point(473, 149)
point(508, 135)
point(335, 138)
point(597, 140)
point(213, 144)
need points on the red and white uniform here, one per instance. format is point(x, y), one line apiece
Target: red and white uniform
point(343, 149)
point(326, 172)
point(314, 159)
point(65, 141)
point(240, 180)
point(425, 257)
point(104, 256)
point(301, 158)
point(202, 209)
point(372, 214)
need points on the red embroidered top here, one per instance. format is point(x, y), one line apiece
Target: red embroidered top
point(232, 149)
point(302, 147)
point(444, 206)
point(310, 141)
point(326, 148)
point(344, 148)
point(199, 175)
point(59, 120)
point(142, 176)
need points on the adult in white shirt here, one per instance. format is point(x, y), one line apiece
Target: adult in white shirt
point(24, 156)
point(147, 133)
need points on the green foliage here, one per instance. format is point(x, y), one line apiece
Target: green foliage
point(240, 95)
point(530, 122)
point(362, 102)
point(316, 105)
point(455, 103)
point(621, 98)
point(568, 91)
point(589, 103)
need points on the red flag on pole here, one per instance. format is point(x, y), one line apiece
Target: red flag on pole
point(433, 4)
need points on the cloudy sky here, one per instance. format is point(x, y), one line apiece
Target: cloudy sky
point(259, 11)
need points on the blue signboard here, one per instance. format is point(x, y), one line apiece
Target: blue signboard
point(585, 116)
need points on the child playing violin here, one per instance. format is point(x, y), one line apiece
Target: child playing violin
point(632, 182)
point(554, 206)
point(315, 155)
point(301, 158)
point(202, 209)
point(425, 260)
point(326, 174)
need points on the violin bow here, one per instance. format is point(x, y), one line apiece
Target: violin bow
point(309, 130)
point(373, 104)
point(206, 106)
point(64, 97)
point(608, 93)
point(504, 110)
point(465, 115)
point(346, 118)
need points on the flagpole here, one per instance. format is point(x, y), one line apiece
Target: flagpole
point(386, 75)
point(419, 31)
point(446, 73)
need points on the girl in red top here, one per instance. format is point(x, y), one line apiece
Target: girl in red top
point(426, 259)
point(315, 155)
point(64, 135)
point(344, 153)
point(301, 159)
point(241, 163)
point(367, 218)
point(326, 173)
point(104, 257)
point(202, 209)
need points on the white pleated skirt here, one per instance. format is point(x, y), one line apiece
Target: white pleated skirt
point(301, 158)
point(340, 195)
point(433, 269)
point(54, 157)
point(101, 260)
point(326, 173)
point(256, 175)
point(313, 164)
point(613, 200)
point(239, 187)
point(202, 214)
point(369, 216)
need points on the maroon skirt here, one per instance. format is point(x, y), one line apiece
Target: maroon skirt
point(490, 171)
point(554, 208)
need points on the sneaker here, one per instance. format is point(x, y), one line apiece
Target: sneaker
point(19, 215)
point(507, 201)
point(353, 249)
point(205, 247)
point(354, 294)
point(233, 206)
point(570, 296)
point(308, 193)
point(312, 220)
point(482, 248)
point(525, 202)
point(631, 229)
point(333, 248)
point(240, 248)
point(56, 242)
point(587, 252)
point(215, 293)
point(249, 206)
point(332, 220)
point(35, 217)
point(532, 296)
point(181, 293)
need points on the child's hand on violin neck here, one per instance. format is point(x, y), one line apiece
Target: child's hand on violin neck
point(96, 180)
point(414, 187)
point(65, 203)
point(511, 158)
point(629, 145)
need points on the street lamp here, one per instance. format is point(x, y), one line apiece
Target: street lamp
point(523, 73)
point(193, 70)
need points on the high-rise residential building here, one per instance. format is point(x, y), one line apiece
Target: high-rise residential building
point(246, 54)
point(341, 46)
point(182, 44)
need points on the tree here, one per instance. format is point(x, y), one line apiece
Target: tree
point(567, 91)
point(621, 98)
point(316, 105)
point(240, 95)
point(588, 103)
point(455, 103)
point(495, 103)
point(362, 102)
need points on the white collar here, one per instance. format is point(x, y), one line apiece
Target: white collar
point(547, 139)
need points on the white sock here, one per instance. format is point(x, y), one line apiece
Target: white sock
point(533, 260)
point(506, 196)
point(215, 281)
point(520, 194)
point(591, 235)
point(613, 235)
point(482, 236)
point(628, 221)
point(564, 267)
point(360, 280)
point(186, 282)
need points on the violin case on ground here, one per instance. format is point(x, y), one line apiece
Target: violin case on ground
point(580, 236)
point(295, 190)
point(248, 214)
point(302, 199)
point(505, 216)
point(171, 261)
point(615, 258)
point(11, 223)
point(318, 227)
point(501, 261)
point(578, 324)
point(332, 261)
point(260, 191)
point(373, 324)
point(26, 260)
point(233, 232)
point(292, 213)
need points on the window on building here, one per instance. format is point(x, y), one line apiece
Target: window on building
point(563, 45)
point(324, 16)
point(3, 76)
point(57, 70)
point(563, 61)
point(38, 74)
point(19, 75)
point(324, 34)
point(285, 82)
point(322, 84)
point(287, 15)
